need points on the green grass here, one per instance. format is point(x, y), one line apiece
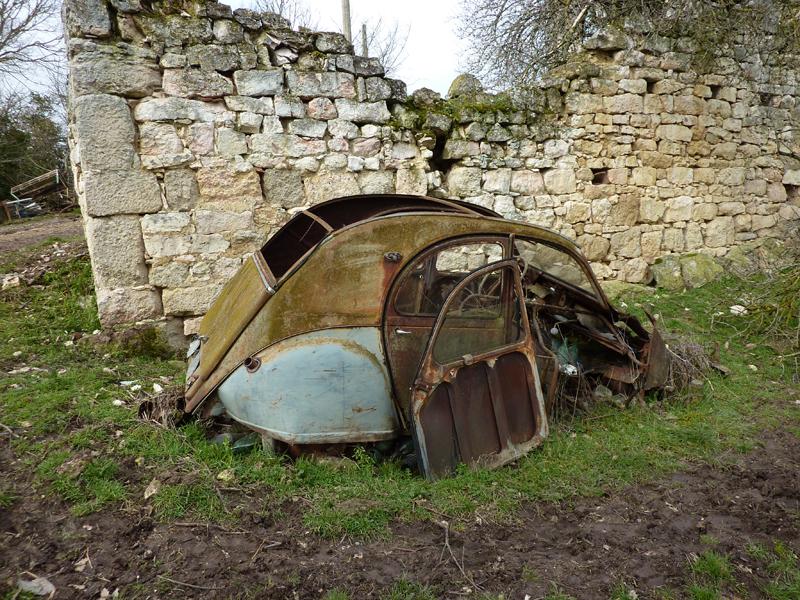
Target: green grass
point(90, 453)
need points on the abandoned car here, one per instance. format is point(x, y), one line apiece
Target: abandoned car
point(378, 317)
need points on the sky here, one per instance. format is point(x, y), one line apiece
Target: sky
point(433, 48)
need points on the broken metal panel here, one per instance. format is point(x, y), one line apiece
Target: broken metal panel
point(487, 408)
point(323, 387)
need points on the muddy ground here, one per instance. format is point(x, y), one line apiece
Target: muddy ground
point(20, 234)
point(643, 536)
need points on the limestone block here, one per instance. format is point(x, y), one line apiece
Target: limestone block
point(624, 212)
point(127, 305)
point(594, 247)
point(440, 124)
point(322, 108)
point(343, 129)
point(117, 251)
point(497, 180)
point(376, 182)
point(679, 209)
point(208, 243)
point(560, 181)
point(601, 208)
point(582, 104)
point(704, 212)
point(704, 175)
point(667, 273)
point(623, 103)
point(726, 150)
point(556, 148)
point(104, 132)
point(689, 105)
point(122, 75)
point(680, 175)
point(643, 176)
point(370, 147)
point(215, 221)
point(283, 187)
point(693, 238)
point(174, 29)
point(165, 222)
point(87, 18)
point(627, 243)
point(327, 185)
point(174, 108)
point(719, 108)
point(403, 151)
point(227, 31)
point(362, 112)
point(651, 245)
point(225, 189)
point(181, 302)
point(331, 84)
point(699, 269)
point(609, 38)
point(231, 143)
point(455, 149)
point(250, 122)
point(731, 208)
point(259, 106)
point(335, 43)
point(171, 274)
point(131, 191)
point(160, 245)
point(719, 232)
point(259, 83)
point(527, 182)
point(308, 128)
point(377, 88)
point(196, 83)
point(213, 57)
point(634, 86)
point(577, 212)
point(170, 60)
point(731, 176)
point(675, 133)
point(181, 189)
point(789, 212)
point(462, 181)
point(651, 210)
point(271, 124)
point(287, 145)
point(791, 177)
point(673, 240)
point(764, 221)
point(159, 138)
point(775, 192)
point(617, 176)
point(200, 138)
point(636, 271)
point(412, 180)
point(475, 132)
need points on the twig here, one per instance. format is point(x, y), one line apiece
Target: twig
point(9, 430)
point(271, 545)
point(209, 525)
point(189, 585)
point(446, 526)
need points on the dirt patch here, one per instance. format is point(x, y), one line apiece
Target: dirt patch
point(21, 234)
point(642, 535)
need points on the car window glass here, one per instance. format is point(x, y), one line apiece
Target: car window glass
point(541, 257)
point(429, 282)
point(478, 320)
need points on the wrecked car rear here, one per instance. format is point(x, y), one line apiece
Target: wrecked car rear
point(373, 318)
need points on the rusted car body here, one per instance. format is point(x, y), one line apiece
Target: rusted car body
point(370, 318)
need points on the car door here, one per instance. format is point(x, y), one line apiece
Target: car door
point(477, 398)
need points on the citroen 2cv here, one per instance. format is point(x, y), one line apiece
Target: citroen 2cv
point(376, 317)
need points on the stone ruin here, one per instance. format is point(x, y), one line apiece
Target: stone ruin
point(197, 131)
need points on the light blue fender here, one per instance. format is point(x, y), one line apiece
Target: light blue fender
point(323, 387)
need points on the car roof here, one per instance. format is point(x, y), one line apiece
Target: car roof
point(310, 226)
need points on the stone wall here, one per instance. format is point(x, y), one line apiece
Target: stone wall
point(197, 131)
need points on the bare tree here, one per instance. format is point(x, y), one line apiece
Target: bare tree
point(386, 42)
point(29, 35)
point(514, 42)
point(296, 12)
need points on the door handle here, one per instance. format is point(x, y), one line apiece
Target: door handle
point(399, 331)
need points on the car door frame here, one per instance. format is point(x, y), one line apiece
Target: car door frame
point(432, 374)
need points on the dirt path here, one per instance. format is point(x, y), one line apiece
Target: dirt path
point(21, 234)
point(641, 535)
